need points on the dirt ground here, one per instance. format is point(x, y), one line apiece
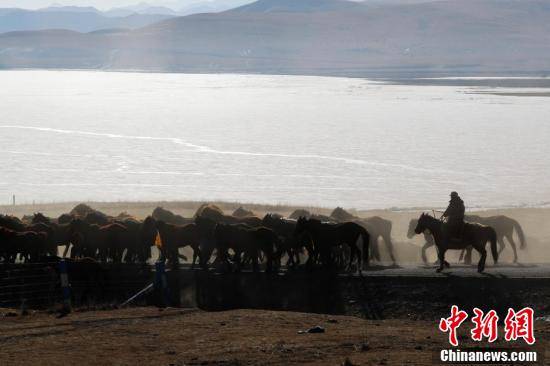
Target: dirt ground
point(149, 336)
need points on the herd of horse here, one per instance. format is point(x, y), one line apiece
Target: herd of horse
point(233, 242)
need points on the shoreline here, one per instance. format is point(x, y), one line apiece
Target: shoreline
point(538, 79)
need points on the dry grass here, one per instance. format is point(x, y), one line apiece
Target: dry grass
point(147, 336)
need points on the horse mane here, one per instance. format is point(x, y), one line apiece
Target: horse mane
point(39, 217)
point(339, 214)
point(64, 218)
point(11, 222)
point(125, 216)
point(210, 211)
point(81, 210)
point(163, 214)
point(299, 213)
point(242, 212)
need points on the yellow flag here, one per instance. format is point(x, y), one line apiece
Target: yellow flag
point(158, 241)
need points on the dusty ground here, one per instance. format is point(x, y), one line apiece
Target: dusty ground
point(147, 336)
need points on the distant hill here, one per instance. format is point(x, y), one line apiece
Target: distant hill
point(213, 6)
point(319, 37)
point(295, 6)
point(81, 19)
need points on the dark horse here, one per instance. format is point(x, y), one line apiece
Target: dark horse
point(476, 235)
point(291, 245)
point(174, 237)
point(504, 227)
point(29, 244)
point(247, 243)
point(95, 241)
point(375, 225)
point(325, 236)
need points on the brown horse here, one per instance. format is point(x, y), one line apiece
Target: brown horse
point(290, 244)
point(30, 245)
point(137, 240)
point(247, 243)
point(476, 235)
point(95, 241)
point(174, 237)
point(214, 213)
point(12, 223)
point(504, 227)
point(161, 214)
point(61, 231)
point(242, 212)
point(326, 236)
point(377, 227)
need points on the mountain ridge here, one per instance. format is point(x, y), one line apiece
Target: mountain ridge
point(448, 37)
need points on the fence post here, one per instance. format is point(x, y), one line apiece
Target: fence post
point(65, 286)
point(161, 283)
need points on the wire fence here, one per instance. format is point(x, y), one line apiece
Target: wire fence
point(32, 285)
point(40, 285)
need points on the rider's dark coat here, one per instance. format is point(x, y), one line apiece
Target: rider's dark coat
point(455, 210)
point(455, 216)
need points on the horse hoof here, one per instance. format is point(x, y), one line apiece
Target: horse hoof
point(439, 270)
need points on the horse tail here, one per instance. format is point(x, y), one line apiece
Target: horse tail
point(521, 235)
point(493, 239)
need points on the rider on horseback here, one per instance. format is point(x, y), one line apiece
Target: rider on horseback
point(455, 216)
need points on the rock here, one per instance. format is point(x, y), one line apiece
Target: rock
point(316, 329)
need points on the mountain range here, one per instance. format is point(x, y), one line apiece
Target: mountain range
point(71, 18)
point(317, 37)
point(89, 19)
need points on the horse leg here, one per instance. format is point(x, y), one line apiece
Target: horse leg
point(501, 244)
point(237, 260)
point(311, 255)
point(483, 252)
point(254, 255)
point(196, 254)
point(375, 252)
point(468, 256)
point(290, 258)
point(389, 246)
point(423, 252)
point(513, 244)
point(441, 256)
point(66, 250)
point(359, 258)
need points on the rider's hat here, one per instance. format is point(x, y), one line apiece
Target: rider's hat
point(454, 194)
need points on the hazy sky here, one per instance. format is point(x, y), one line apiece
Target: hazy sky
point(100, 4)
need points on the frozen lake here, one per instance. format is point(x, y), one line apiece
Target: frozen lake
point(79, 135)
